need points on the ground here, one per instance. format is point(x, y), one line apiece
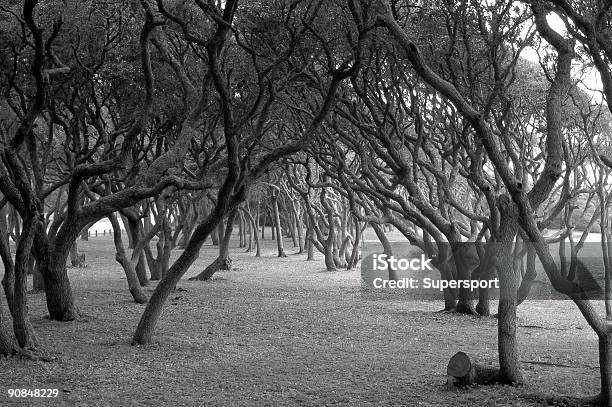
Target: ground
point(285, 332)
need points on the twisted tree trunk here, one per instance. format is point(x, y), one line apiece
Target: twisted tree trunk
point(223, 261)
point(128, 266)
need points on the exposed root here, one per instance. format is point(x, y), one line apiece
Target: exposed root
point(28, 353)
point(217, 265)
point(34, 355)
point(465, 308)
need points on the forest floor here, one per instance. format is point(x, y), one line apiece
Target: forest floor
point(275, 332)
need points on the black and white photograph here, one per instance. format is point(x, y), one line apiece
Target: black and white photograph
point(306, 203)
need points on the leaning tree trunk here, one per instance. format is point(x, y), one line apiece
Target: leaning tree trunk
point(165, 250)
point(254, 232)
point(387, 248)
point(530, 275)
point(141, 271)
point(153, 263)
point(221, 231)
point(146, 325)
point(128, 267)
point(214, 237)
point(223, 262)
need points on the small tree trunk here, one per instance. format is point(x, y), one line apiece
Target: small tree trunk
point(154, 266)
point(277, 225)
point(263, 225)
point(354, 259)
point(254, 229)
point(223, 261)
point(141, 271)
point(241, 234)
point(214, 237)
point(38, 283)
point(292, 228)
point(300, 233)
point(250, 229)
point(76, 259)
point(136, 230)
point(130, 273)
point(221, 231)
point(607, 276)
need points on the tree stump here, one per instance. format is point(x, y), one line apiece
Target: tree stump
point(462, 371)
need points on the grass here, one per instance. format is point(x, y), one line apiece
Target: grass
point(285, 332)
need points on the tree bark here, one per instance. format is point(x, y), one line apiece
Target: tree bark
point(128, 267)
point(154, 263)
point(465, 305)
point(254, 232)
point(38, 283)
point(76, 259)
point(605, 369)
point(58, 291)
point(509, 281)
point(7, 344)
point(387, 248)
point(223, 261)
point(24, 332)
point(310, 235)
point(146, 325)
point(277, 225)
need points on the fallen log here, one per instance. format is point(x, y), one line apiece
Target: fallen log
point(462, 371)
